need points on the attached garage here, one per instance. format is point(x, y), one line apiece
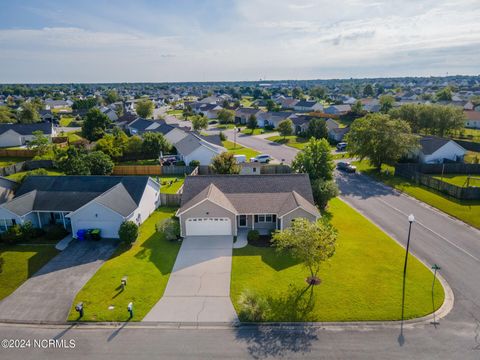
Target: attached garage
point(109, 229)
point(208, 226)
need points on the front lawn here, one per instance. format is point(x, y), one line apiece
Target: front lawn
point(239, 149)
point(292, 141)
point(147, 264)
point(362, 281)
point(19, 262)
point(467, 211)
point(257, 131)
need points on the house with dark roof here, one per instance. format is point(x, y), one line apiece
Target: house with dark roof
point(193, 147)
point(21, 134)
point(227, 204)
point(337, 109)
point(437, 150)
point(81, 202)
point(273, 118)
point(141, 126)
point(243, 114)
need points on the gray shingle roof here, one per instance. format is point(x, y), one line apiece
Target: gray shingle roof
point(430, 144)
point(27, 129)
point(68, 193)
point(249, 194)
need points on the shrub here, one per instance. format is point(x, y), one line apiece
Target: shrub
point(253, 307)
point(223, 137)
point(170, 228)
point(269, 127)
point(253, 235)
point(128, 232)
point(55, 232)
point(323, 191)
point(194, 163)
point(180, 163)
point(39, 171)
point(12, 235)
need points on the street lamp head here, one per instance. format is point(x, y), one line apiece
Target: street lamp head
point(411, 218)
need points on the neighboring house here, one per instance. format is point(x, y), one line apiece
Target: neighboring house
point(307, 106)
point(46, 115)
point(125, 119)
point(287, 103)
point(435, 150)
point(337, 109)
point(82, 202)
point(225, 204)
point(175, 135)
point(371, 105)
point(20, 134)
point(250, 168)
point(473, 119)
point(7, 189)
point(300, 123)
point(112, 115)
point(57, 104)
point(193, 147)
point(243, 114)
point(141, 126)
point(335, 132)
point(210, 111)
point(272, 118)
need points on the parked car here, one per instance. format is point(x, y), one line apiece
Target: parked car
point(347, 167)
point(262, 158)
point(341, 146)
point(240, 158)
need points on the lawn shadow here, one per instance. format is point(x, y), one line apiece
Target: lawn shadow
point(156, 249)
point(275, 342)
point(276, 260)
point(296, 304)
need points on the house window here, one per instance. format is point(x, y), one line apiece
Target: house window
point(267, 218)
point(254, 169)
point(242, 220)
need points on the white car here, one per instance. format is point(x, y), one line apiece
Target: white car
point(262, 158)
point(240, 158)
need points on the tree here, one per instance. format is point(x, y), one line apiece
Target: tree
point(323, 191)
point(386, 103)
point(187, 111)
point(199, 122)
point(357, 108)
point(28, 114)
point(40, 142)
point(72, 162)
point(270, 105)
point(133, 147)
point(318, 92)
point(6, 115)
point(94, 125)
point(297, 93)
point(444, 94)
point(128, 232)
point(316, 160)
point(225, 163)
point(111, 96)
point(99, 163)
point(226, 116)
point(144, 108)
point(317, 128)
point(113, 144)
point(170, 228)
point(380, 139)
point(252, 123)
point(153, 144)
point(312, 243)
point(285, 128)
point(368, 90)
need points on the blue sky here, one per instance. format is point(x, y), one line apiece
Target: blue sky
point(114, 41)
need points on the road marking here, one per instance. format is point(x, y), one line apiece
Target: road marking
point(432, 231)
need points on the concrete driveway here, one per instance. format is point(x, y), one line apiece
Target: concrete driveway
point(199, 287)
point(48, 295)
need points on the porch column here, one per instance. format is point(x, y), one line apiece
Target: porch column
point(39, 220)
point(253, 222)
point(5, 224)
point(64, 224)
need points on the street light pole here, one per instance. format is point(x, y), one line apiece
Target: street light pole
point(234, 137)
point(411, 219)
point(435, 268)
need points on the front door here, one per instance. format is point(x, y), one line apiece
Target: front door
point(242, 221)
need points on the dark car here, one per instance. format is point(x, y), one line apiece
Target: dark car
point(347, 167)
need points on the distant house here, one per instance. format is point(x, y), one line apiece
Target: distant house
point(192, 147)
point(300, 123)
point(436, 150)
point(46, 115)
point(125, 119)
point(82, 202)
point(243, 114)
point(210, 111)
point(287, 103)
point(57, 104)
point(335, 132)
point(307, 106)
point(112, 115)
point(272, 118)
point(473, 119)
point(337, 109)
point(20, 134)
point(371, 105)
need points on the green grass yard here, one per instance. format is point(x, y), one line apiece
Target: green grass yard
point(166, 188)
point(467, 211)
point(18, 176)
point(239, 149)
point(257, 131)
point(292, 141)
point(459, 180)
point(7, 161)
point(65, 121)
point(148, 264)
point(19, 262)
point(362, 281)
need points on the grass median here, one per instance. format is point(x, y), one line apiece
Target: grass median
point(147, 265)
point(362, 281)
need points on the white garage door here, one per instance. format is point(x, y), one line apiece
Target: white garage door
point(208, 226)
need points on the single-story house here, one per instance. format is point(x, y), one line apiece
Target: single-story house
point(141, 126)
point(125, 119)
point(300, 123)
point(82, 202)
point(112, 115)
point(57, 104)
point(338, 109)
point(20, 134)
point(435, 150)
point(335, 132)
point(46, 115)
point(175, 135)
point(287, 103)
point(193, 147)
point(473, 119)
point(307, 106)
point(243, 114)
point(273, 118)
point(210, 111)
point(226, 204)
